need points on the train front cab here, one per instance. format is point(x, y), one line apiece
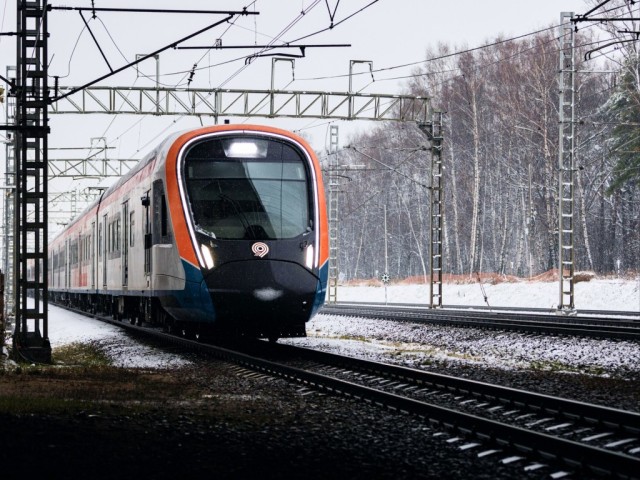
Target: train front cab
point(252, 207)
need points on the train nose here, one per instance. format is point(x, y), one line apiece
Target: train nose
point(262, 294)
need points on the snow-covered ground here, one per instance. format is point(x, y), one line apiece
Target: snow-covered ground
point(597, 294)
point(415, 345)
point(418, 344)
point(67, 327)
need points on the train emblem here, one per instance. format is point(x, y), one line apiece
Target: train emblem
point(260, 249)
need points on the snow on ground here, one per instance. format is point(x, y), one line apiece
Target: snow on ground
point(67, 327)
point(422, 344)
point(598, 294)
point(419, 344)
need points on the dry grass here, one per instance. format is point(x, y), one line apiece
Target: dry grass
point(82, 374)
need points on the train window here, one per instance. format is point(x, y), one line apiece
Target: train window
point(99, 241)
point(86, 248)
point(160, 224)
point(259, 194)
point(163, 217)
point(73, 252)
point(116, 235)
point(132, 229)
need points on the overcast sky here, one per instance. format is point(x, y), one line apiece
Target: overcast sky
point(388, 33)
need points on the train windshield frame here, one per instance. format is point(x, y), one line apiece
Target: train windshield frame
point(248, 188)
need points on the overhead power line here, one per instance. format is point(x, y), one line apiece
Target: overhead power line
point(143, 58)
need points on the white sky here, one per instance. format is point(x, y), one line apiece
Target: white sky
point(388, 33)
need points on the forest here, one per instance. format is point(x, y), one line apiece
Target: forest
point(500, 157)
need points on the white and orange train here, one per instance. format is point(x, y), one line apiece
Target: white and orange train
point(222, 229)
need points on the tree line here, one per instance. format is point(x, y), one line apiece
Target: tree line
point(500, 154)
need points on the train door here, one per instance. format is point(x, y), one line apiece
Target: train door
point(105, 241)
point(125, 243)
point(94, 257)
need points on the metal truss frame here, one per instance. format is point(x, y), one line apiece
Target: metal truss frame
point(244, 103)
point(75, 168)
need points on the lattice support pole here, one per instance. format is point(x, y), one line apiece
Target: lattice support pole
point(31, 336)
point(434, 133)
point(333, 215)
point(566, 165)
point(9, 204)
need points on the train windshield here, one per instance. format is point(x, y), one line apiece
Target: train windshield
point(247, 188)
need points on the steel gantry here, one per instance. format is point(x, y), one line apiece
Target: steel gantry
point(31, 149)
point(242, 103)
point(86, 168)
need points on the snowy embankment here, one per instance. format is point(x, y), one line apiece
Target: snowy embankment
point(67, 327)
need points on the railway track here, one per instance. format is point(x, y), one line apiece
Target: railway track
point(540, 432)
point(600, 326)
point(535, 428)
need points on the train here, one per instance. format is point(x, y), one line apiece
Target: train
point(220, 230)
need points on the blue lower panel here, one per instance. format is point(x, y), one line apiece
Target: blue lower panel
point(193, 304)
point(321, 290)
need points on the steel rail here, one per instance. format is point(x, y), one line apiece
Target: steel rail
point(506, 312)
point(483, 308)
point(545, 324)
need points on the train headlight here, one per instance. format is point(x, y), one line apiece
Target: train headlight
point(309, 257)
point(244, 148)
point(206, 255)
